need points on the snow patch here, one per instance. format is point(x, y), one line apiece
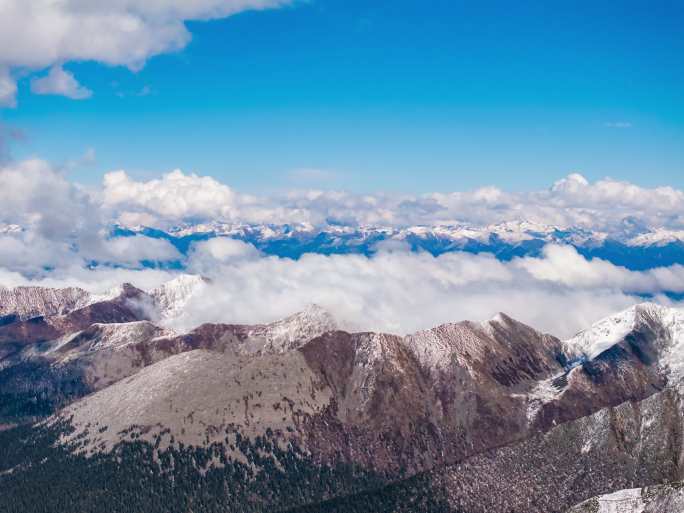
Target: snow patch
point(171, 297)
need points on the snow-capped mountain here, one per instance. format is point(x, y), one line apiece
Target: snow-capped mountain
point(652, 327)
point(289, 333)
point(634, 247)
point(20, 303)
point(454, 418)
point(171, 297)
point(659, 238)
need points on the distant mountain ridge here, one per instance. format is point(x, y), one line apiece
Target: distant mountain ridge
point(635, 247)
point(103, 405)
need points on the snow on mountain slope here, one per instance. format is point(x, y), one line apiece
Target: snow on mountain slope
point(27, 302)
point(293, 331)
point(667, 324)
point(102, 354)
point(666, 498)
point(604, 333)
point(171, 297)
point(472, 343)
point(437, 347)
point(511, 233)
point(21, 303)
point(100, 337)
point(658, 238)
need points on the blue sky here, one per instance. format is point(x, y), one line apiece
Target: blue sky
point(404, 97)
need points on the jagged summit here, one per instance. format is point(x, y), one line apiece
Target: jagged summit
point(292, 331)
point(21, 303)
point(608, 331)
point(655, 331)
point(171, 297)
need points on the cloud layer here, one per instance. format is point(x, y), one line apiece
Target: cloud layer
point(401, 292)
point(45, 33)
point(607, 205)
point(55, 232)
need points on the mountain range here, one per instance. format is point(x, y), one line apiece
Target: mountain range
point(103, 407)
point(632, 244)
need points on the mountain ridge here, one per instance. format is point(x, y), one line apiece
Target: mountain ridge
point(633, 246)
point(376, 413)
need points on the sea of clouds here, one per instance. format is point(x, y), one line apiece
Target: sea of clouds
point(54, 232)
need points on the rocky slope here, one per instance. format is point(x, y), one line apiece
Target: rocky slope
point(466, 417)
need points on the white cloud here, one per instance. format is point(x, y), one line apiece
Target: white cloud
point(38, 34)
point(401, 292)
point(605, 205)
point(30, 253)
point(175, 196)
point(570, 184)
point(206, 255)
point(564, 265)
point(132, 250)
point(62, 224)
point(34, 195)
point(60, 82)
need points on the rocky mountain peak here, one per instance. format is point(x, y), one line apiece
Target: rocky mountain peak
point(21, 303)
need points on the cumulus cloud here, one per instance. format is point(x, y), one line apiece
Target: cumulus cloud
point(45, 33)
point(60, 82)
point(174, 196)
point(35, 194)
point(179, 197)
point(58, 224)
point(206, 255)
point(131, 251)
point(607, 205)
